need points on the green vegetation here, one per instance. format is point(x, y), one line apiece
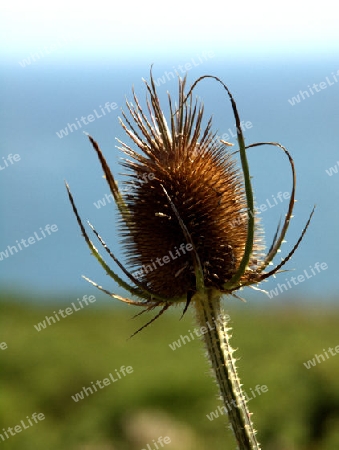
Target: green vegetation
point(169, 392)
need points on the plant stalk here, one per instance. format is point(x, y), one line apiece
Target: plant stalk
point(220, 353)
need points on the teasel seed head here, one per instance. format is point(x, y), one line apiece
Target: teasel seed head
point(188, 223)
point(202, 180)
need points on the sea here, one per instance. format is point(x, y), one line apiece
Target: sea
point(48, 105)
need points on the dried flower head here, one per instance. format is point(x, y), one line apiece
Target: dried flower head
point(188, 222)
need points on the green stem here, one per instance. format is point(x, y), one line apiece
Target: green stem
point(211, 316)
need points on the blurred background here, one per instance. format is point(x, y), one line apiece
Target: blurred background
point(65, 61)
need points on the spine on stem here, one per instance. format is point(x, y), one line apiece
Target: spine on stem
point(209, 314)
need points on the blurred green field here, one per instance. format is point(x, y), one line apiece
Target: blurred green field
point(169, 392)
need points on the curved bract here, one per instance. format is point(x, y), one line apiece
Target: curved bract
point(184, 194)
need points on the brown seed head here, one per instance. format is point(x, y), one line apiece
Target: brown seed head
point(205, 186)
point(188, 220)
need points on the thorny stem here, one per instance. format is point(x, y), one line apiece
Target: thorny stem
point(220, 353)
